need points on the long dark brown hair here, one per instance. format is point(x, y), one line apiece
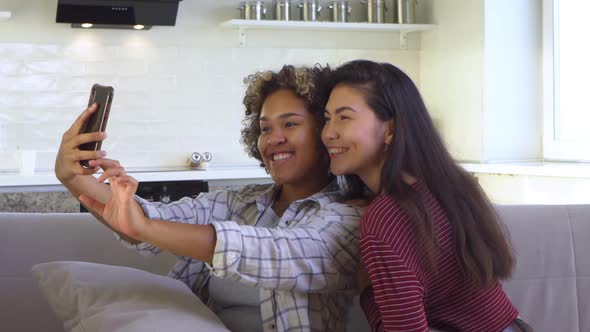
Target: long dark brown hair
point(483, 249)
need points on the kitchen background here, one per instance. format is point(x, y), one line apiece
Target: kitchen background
point(179, 89)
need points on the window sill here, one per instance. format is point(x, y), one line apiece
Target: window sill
point(543, 169)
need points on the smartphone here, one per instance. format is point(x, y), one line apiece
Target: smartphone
point(103, 96)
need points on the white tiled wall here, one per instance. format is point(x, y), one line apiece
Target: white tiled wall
point(177, 89)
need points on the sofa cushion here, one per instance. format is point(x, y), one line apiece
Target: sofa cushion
point(27, 239)
point(103, 298)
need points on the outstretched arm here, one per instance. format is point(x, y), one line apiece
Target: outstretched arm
point(124, 215)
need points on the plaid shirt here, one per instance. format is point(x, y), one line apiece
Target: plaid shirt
point(304, 266)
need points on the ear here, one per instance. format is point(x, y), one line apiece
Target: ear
point(389, 132)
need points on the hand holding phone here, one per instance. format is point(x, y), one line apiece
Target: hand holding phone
point(97, 122)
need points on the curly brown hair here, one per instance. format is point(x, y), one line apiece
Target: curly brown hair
point(308, 83)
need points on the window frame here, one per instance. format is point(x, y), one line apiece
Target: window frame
point(554, 147)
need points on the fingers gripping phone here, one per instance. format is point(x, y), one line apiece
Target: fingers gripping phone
point(97, 122)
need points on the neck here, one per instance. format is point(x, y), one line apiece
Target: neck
point(372, 180)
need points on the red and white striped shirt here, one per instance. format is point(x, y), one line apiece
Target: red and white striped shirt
point(404, 296)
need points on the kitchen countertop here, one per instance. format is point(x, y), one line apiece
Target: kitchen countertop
point(10, 181)
point(252, 173)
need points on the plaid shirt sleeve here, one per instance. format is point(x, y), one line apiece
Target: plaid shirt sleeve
point(186, 210)
point(319, 254)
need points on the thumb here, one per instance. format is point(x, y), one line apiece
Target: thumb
point(91, 203)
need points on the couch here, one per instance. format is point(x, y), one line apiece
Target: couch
point(550, 287)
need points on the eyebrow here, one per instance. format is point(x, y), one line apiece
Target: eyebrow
point(342, 109)
point(282, 116)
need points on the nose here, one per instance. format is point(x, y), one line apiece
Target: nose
point(276, 137)
point(329, 132)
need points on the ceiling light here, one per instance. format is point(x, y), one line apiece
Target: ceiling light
point(87, 25)
point(138, 27)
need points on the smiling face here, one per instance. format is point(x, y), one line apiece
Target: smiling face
point(354, 136)
point(289, 141)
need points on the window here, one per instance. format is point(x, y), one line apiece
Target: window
point(566, 76)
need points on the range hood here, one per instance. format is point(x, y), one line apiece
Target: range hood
point(138, 14)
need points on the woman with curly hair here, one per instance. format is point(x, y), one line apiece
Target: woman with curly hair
point(266, 257)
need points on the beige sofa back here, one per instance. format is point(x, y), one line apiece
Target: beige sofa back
point(551, 285)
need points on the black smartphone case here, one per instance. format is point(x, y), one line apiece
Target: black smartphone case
point(103, 96)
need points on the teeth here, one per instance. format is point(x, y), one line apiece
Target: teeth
point(336, 150)
point(281, 156)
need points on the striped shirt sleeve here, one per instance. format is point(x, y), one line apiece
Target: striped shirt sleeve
point(395, 301)
point(317, 255)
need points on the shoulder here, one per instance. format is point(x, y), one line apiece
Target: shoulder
point(384, 212)
point(384, 206)
point(342, 209)
point(245, 194)
point(251, 191)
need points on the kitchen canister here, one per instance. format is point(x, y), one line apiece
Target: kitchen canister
point(375, 10)
point(340, 11)
point(404, 11)
point(199, 161)
point(309, 10)
point(282, 10)
point(252, 10)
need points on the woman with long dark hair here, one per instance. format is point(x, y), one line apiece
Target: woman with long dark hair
point(431, 242)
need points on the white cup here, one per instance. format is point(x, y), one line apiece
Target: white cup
point(27, 160)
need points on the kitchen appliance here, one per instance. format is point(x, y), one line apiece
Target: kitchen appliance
point(282, 10)
point(340, 11)
point(309, 10)
point(252, 10)
point(404, 11)
point(119, 14)
point(375, 10)
point(168, 191)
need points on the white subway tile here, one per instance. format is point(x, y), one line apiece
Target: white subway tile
point(9, 161)
point(28, 50)
point(58, 99)
point(87, 51)
point(13, 99)
point(128, 101)
point(46, 159)
point(11, 67)
point(147, 83)
point(28, 83)
point(147, 51)
point(116, 68)
point(53, 67)
point(81, 83)
point(136, 143)
point(31, 136)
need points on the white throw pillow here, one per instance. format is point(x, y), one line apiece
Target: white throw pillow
point(90, 297)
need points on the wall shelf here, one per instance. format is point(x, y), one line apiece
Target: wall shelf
point(403, 29)
point(4, 15)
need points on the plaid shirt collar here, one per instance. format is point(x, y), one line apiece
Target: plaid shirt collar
point(265, 195)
